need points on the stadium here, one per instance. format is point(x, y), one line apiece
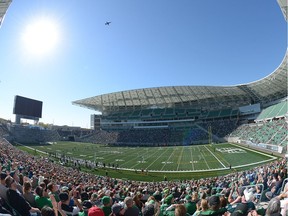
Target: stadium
point(184, 139)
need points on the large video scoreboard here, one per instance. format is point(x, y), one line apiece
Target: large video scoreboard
point(27, 107)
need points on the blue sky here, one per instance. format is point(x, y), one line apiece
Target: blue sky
point(148, 44)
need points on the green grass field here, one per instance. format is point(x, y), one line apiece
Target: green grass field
point(177, 162)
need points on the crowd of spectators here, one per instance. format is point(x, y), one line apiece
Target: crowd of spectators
point(36, 186)
point(196, 134)
point(273, 132)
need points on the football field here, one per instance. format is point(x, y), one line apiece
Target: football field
point(196, 158)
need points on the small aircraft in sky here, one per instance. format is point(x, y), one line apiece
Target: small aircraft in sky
point(107, 23)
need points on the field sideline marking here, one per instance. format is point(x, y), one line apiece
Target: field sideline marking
point(215, 157)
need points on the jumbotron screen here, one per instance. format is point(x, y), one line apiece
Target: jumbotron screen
point(27, 107)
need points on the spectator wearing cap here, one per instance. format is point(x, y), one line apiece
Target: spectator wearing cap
point(247, 199)
point(95, 211)
point(107, 203)
point(16, 200)
point(118, 209)
point(65, 200)
point(240, 210)
point(168, 200)
point(41, 200)
point(190, 205)
point(84, 196)
point(3, 188)
point(86, 205)
point(213, 207)
point(131, 209)
point(158, 196)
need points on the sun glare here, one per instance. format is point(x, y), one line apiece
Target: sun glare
point(41, 36)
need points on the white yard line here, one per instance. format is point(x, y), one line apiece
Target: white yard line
point(192, 159)
point(168, 158)
point(125, 153)
point(204, 159)
point(157, 158)
point(215, 157)
point(179, 158)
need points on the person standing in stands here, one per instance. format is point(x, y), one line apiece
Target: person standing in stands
point(16, 200)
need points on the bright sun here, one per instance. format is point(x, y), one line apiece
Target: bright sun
point(41, 36)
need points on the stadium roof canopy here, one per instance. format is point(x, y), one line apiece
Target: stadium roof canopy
point(284, 8)
point(4, 4)
point(268, 89)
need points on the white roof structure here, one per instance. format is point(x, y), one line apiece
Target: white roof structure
point(4, 4)
point(284, 8)
point(268, 89)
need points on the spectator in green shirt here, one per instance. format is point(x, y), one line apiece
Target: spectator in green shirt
point(190, 205)
point(40, 200)
point(107, 203)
